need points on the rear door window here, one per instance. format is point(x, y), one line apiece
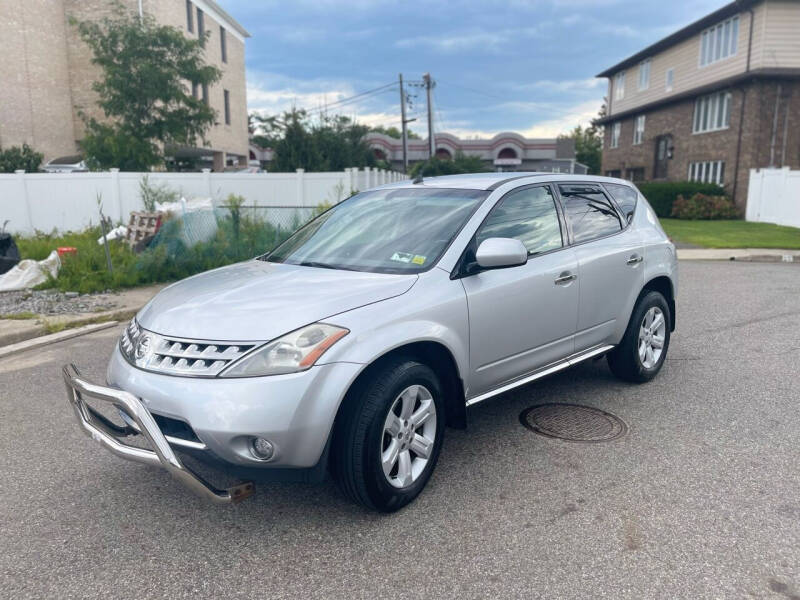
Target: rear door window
point(589, 212)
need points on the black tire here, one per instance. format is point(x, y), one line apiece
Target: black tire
point(359, 435)
point(624, 360)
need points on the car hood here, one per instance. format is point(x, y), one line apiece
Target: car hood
point(259, 301)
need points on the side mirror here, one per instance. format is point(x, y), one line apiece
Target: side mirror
point(497, 253)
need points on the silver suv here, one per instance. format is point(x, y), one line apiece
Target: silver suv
point(350, 347)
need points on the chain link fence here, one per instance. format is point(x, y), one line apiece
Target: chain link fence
point(192, 241)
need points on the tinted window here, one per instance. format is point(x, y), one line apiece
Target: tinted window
point(625, 197)
point(589, 213)
point(528, 215)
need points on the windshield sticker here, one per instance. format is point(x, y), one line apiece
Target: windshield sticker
point(403, 257)
point(418, 260)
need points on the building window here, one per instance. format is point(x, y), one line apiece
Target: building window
point(227, 97)
point(615, 131)
point(619, 86)
point(638, 130)
point(634, 174)
point(669, 80)
point(201, 27)
point(719, 42)
point(644, 74)
point(195, 90)
point(205, 94)
point(712, 112)
point(614, 173)
point(189, 16)
point(709, 171)
point(223, 44)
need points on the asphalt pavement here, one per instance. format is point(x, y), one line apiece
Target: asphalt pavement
point(700, 499)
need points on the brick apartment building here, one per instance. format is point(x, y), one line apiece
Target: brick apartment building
point(47, 74)
point(711, 101)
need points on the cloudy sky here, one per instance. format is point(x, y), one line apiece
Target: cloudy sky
point(520, 65)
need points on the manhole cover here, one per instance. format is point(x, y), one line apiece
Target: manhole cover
point(573, 422)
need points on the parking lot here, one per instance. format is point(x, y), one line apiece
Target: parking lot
point(700, 499)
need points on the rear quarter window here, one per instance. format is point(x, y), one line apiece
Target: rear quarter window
point(625, 197)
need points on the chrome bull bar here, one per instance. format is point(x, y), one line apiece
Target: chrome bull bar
point(107, 434)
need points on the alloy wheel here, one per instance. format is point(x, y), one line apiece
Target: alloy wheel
point(409, 432)
point(652, 332)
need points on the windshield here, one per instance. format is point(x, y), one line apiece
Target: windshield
point(386, 231)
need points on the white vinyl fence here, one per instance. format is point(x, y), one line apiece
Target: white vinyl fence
point(773, 196)
point(68, 201)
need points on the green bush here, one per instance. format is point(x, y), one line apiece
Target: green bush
point(702, 206)
point(238, 237)
point(460, 163)
point(15, 158)
point(662, 194)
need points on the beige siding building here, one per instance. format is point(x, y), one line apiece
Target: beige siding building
point(49, 81)
point(711, 101)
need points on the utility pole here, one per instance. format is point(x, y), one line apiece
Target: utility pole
point(428, 87)
point(403, 121)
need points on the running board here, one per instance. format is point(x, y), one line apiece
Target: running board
point(554, 368)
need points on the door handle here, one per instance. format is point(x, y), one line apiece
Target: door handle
point(565, 277)
point(635, 259)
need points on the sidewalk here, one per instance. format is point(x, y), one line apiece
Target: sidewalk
point(127, 303)
point(745, 254)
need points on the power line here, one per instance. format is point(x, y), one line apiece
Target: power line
point(351, 99)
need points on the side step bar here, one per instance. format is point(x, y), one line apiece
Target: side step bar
point(543, 372)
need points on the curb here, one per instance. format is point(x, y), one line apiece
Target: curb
point(69, 322)
point(740, 254)
point(52, 338)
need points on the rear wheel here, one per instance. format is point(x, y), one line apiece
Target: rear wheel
point(641, 354)
point(389, 435)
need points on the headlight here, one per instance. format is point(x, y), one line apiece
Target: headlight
point(296, 351)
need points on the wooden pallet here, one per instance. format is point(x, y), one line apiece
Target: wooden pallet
point(142, 225)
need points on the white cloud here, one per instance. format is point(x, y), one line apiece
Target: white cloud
point(579, 114)
point(485, 40)
point(566, 85)
point(271, 93)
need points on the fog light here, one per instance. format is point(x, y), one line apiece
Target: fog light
point(261, 448)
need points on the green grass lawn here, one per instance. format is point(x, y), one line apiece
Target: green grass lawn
point(732, 234)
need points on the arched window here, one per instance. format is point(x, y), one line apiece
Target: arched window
point(507, 153)
point(443, 154)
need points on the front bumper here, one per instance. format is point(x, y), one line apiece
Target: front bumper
point(107, 433)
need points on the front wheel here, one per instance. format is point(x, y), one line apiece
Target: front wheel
point(388, 436)
point(641, 354)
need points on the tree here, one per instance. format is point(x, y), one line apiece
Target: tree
point(589, 142)
point(145, 91)
point(394, 132)
point(331, 144)
point(460, 163)
point(15, 158)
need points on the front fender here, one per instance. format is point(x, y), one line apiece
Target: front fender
point(434, 310)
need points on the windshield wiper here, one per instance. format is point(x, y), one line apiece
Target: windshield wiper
point(322, 265)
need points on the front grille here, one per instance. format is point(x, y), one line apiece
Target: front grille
point(177, 356)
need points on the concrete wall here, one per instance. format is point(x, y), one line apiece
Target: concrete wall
point(68, 201)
